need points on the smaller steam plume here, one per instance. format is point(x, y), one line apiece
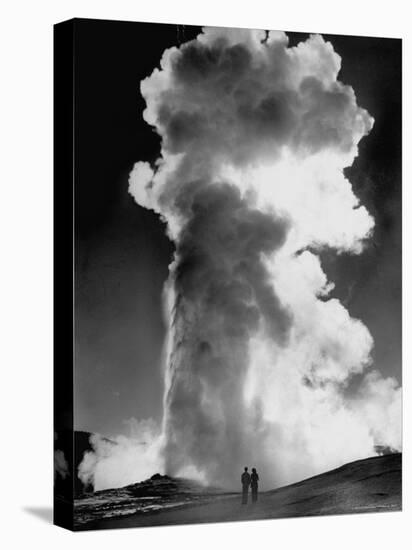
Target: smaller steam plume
point(123, 459)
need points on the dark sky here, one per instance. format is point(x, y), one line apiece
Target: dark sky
point(122, 252)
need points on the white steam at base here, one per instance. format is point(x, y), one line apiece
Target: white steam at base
point(255, 137)
point(122, 460)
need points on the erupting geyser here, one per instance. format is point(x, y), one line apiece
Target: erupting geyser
point(255, 138)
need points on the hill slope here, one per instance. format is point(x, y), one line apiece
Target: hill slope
point(370, 485)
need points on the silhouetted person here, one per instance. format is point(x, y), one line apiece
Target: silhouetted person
point(245, 485)
point(254, 478)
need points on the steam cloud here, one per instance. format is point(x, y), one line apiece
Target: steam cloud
point(255, 137)
point(61, 467)
point(124, 459)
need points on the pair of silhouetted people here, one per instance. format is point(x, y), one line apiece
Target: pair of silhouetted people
point(252, 481)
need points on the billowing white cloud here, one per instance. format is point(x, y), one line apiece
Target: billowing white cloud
point(122, 460)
